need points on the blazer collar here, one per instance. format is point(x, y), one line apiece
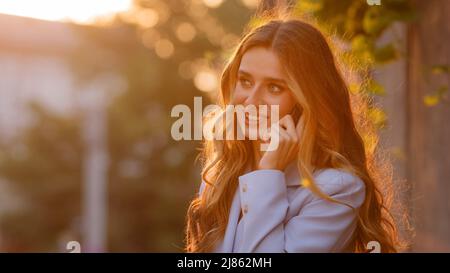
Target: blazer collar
point(291, 173)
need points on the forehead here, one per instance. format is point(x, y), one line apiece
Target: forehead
point(261, 62)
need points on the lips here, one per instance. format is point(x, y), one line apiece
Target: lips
point(254, 119)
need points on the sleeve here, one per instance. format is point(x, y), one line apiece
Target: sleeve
point(320, 226)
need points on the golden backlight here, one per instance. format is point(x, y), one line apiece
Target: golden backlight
point(79, 11)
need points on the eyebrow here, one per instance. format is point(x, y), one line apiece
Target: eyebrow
point(281, 81)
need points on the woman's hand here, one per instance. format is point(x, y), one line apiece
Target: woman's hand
point(288, 137)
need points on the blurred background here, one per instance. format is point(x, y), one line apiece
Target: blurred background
point(87, 87)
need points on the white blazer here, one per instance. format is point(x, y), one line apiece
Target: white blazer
point(280, 215)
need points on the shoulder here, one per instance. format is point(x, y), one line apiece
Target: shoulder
point(339, 184)
point(337, 177)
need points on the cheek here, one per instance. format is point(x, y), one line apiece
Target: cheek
point(238, 96)
point(285, 102)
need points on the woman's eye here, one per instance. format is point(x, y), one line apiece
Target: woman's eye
point(273, 88)
point(245, 83)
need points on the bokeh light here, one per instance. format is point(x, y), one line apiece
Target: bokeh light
point(206, 80)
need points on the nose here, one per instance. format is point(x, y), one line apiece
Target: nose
point(255, 97)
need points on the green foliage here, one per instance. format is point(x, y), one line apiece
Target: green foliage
point(440, 69)
point(441, 93)
point(45, 165)
point(386, 53)
point(361, 26)
point(438, 96)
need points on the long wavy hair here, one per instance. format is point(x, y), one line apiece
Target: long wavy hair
point(331, 138)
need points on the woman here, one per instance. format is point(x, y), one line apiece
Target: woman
point(317, 192)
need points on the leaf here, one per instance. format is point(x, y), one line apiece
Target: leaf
point(436, 97)
point(386, 54)
point(376, 89)
point(440, 69)
point(309, 6)
point(361, 43)
point(354, 88)
point(370, 141)
point(374, 21)
point(363, 48)
point(431, 100)
point(378, 117)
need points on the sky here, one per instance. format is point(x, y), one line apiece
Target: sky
point(80, 11)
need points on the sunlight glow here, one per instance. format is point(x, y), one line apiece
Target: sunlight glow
point(206, 81)
point(79, 11)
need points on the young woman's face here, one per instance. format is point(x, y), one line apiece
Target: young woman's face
point(262, 81)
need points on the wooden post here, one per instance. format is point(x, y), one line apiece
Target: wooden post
point(428, 130)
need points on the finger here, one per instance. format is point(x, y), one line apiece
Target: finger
point(276, 134)
point(288, 123)
point(283, 121)
point(274, 130)
point(283, 136)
